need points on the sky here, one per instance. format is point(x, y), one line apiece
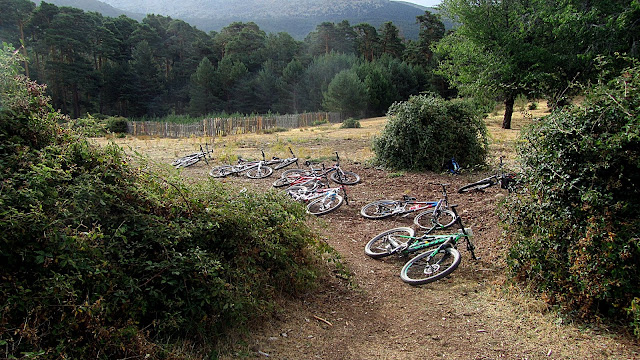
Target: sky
point(429, 3)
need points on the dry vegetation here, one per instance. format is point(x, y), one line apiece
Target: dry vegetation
point(371, 314)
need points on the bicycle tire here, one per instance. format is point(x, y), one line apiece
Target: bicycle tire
point(288, 172)
point(382, 245)
point(188, 162)
point(296, 192)
point(222, 171)
point(444, 219)
point(320, 206)
point(183, 158)
point(280, 182)
point(379, 209)
point(284, 163)
point(260, 172)
point(423, 269)
point(478, 185)
point(345, 177)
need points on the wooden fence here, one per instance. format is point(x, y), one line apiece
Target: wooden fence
point(230, 126)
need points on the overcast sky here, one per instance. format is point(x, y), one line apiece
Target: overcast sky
point(429, 3)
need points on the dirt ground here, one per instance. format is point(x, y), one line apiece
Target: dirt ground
point(371, 313)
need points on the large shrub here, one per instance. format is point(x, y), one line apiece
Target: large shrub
point(574, 235)
point(102, 259)
point(426, 131)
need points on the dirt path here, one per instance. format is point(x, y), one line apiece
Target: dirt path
point(372, 314)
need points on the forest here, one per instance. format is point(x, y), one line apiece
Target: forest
point(121, 67)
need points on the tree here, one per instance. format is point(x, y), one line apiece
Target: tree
point(15, 14)
point(531, 47)
point(431, 31)
point(204, 89)
point(292, 76)
point(147, 87)
point(319, 74)
point(367, 41)
point(505, 40)
point(346, 94)
point(390, 41)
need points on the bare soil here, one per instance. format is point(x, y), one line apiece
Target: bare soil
point(369, 313)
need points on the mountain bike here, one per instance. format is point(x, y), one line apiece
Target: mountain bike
point(254, 169)
point(335, 173)
point(283, 163)
point(191, 159)
point(437, 212)
point(440, 259)
point(320, 198)
point(324, 201)
point(506, 180)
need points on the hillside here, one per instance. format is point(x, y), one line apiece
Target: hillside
point(296, 17)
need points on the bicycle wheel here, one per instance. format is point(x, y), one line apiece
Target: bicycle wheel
point(284, 163)
point(259, 172)
point(345, 178)
point(426, 268)
point(443, 218)
point(479, 185)
point(325, 204)
point(188, 162)
point(280, 182)
point(298, 172)
point(388, 242)
point(221, 171)
point(379, 209)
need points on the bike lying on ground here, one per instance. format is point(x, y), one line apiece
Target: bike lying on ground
point(335, 173)
point(320, 199)
point(254, 169)
point(191, 159)
point(278, 164)
point(506, 180)
point(440, 259)
point(430, 212)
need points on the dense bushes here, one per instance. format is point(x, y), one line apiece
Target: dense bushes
point(575, 233)
point(102, 259)
point(426, 131)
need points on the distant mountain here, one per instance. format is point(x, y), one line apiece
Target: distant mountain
point(296, 17)
point(96, 6)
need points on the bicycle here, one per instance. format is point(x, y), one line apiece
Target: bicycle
point(191, 159)
point(437, 212)
point(506, 180)
point(431, 265)
point(335, 173)
point(254, 169)
point(283, 163)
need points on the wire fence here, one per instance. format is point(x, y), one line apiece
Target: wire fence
point(211, 127)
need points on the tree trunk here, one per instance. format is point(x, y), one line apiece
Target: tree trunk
point(508, 111)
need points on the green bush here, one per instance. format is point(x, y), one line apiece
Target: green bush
point(426, 131)
point(350, 123)
point(102, 259)
point(90, 126)
point(117, 125)
point(574, 234)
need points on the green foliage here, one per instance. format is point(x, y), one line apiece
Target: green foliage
point(100, 258)
point(346, 94)
point(117, 125)
point(634, 312)
point(350, 123)
point(426, 131)
point(574, 234)
point(319, 122)
point(533, 106)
